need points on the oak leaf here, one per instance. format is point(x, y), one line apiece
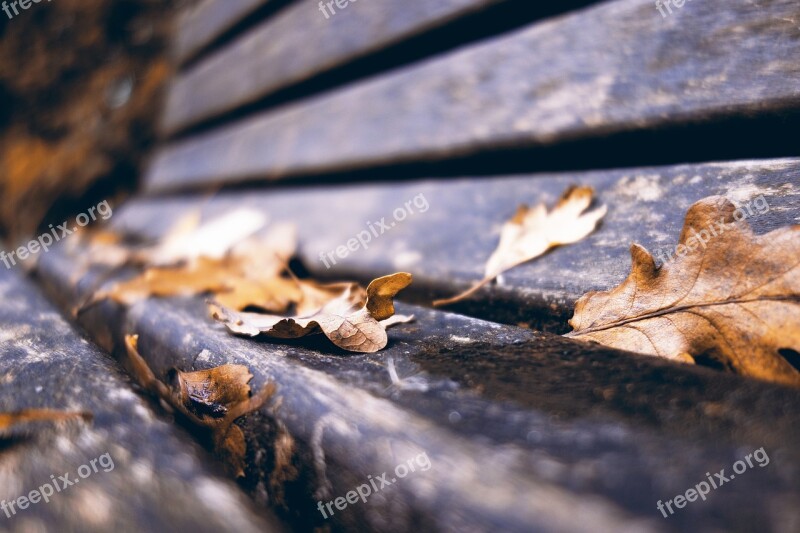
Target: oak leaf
point(730, 296)
point(533, 231)
point(211, 399)
point(348, 323)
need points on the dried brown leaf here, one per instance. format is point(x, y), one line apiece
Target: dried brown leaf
point(349, 326)
point(734, 298)
point(533, 231)
point(203, 275)
point(249, 275)
point(212, 392)
point(381, 292)
point(213, 399)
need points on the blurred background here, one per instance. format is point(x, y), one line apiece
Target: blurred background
point(80, 86)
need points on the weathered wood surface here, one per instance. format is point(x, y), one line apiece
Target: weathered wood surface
point(302, 42)
point(155, 478)
point(617, 67)
point(207, 20)
point(524, 431)
point(446, 247)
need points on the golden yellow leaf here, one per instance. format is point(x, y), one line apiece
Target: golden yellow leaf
point(533, 231)
point(730, 296)
point(203, 275)
point(352, 327)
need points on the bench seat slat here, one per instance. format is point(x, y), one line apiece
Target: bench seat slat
point(446, 247)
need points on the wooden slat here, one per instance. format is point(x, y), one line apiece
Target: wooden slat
point(447, 246)
point(208, 20)
point(155, 478)
point(523, 431)
point(616, 67)
point(297, 44)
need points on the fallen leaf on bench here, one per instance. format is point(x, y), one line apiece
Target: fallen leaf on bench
point(204, 275)
point(730, 296)
point(211, 392)
point(534, 231)
point(10, 422)
point(250, 274)
point(211, 240)
point(212, 399)
point(187, 240)
point(350, 326)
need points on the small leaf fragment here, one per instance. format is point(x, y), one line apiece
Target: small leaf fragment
point(10, 421)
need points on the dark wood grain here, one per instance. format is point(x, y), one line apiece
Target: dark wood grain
point(155, 477)
point(617, 67)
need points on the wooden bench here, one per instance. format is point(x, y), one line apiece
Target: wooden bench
point(149, 475)
point(476, 106)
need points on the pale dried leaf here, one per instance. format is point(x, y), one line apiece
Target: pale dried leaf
point(533, 231)
point(211, 240)
point(250, 275)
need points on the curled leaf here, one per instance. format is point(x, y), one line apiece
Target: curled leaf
point(730, 296)
point(212, 399)
point(349, 324)
point(211, 392)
